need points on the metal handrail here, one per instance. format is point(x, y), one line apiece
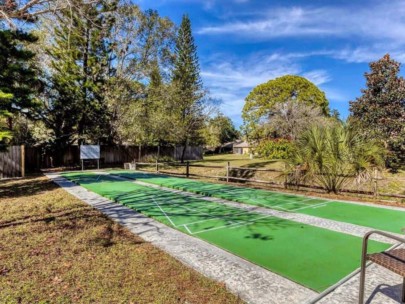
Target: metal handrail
point(364, 259)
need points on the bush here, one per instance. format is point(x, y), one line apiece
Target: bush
point(275, 148)
point(332, 156)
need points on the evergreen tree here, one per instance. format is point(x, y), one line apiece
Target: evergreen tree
point(189, 98)
point(5, 133)
point(18, 75)
point(81, 67)
point(219, 130)
point(380, 111)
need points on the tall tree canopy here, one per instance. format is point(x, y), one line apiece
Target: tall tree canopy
point(188, 104)
point(139, 92)
point(263, 99)
point(18, 74)
point(80, 59)
point(380, 111)
point(219, 130)
point(5, 133)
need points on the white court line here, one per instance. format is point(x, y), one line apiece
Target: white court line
point(188, 230)
point(233, 225)
point(312, 206)
point(299, 202)
point(197, 222)
point(164, 212)
point(213, 218)
point(278, 206)
point(282, 200)
point(319, 206)
point(251, 222)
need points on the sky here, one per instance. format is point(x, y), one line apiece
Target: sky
point(243, 43)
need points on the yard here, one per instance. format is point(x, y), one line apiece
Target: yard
point(215, 166)
point(56, 249)
point(239, 160)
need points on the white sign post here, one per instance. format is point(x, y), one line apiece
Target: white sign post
point(90, 152)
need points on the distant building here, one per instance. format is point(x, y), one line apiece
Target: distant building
point(226, 147)
point(242, 148)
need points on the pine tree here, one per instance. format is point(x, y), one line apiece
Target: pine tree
point(81, 63)
point(189, 99)
point(18, 75)
point(5, 133)
point(380, 111)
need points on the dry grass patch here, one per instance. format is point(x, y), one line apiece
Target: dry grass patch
point(56, 249)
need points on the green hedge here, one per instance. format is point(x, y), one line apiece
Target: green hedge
point(275, 148)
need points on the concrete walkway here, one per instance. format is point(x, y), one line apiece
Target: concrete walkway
point(251, 282)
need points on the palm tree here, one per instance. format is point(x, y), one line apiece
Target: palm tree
point(332, 155)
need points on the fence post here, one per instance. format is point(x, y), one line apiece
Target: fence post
point(227, 171)
point(375, 182)
point(157, 166)
point(22, 161)
point(285, 176)
point(187, 168)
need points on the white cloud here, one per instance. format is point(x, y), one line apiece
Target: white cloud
point(318, 77)
point(376, 20)
point(371, 53)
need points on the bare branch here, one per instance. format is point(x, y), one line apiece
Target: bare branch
point(31, 9)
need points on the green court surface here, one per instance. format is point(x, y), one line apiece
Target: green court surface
point(363, 215)
point(313, 257)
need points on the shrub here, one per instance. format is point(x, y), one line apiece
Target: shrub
point(275, 148)
point(331, 156)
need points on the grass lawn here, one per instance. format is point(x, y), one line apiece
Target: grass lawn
point(238, 160)
point(393, 183)
point(56, 249)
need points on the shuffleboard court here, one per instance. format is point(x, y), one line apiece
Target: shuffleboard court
point(311, 256)
point(363, 215)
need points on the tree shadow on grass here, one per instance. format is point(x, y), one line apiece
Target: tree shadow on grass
point(24, 187)
point(241, 173)
point(257, 165)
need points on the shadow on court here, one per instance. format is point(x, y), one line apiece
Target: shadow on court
point(188, 214)
point(298, 251)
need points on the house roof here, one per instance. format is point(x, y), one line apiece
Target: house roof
point(243, 144)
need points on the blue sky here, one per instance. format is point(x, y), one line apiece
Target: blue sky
point(242, 43)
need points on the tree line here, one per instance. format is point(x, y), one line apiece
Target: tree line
point(101, 72)
point(289, 118)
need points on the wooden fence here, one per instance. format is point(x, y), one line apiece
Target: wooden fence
point(12, 162)
point(37, 158)
point(279, 179)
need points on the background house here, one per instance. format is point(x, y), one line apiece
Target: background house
point(242, 148)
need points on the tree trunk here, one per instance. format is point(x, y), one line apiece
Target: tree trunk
point(183, 153)
point(83, 118)
point(10, 123)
